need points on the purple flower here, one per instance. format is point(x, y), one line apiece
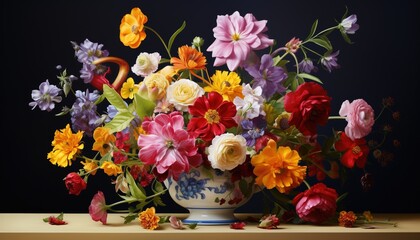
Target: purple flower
point(83, 114)
point(45, 97)
point(253, 129)
point(88, 51)
point(236, 37)
point(307, 66)
point(349, 25)
point(330, 61)
point(267, 76)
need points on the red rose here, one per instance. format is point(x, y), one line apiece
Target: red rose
point(316, 204)
point(309, 105)
point(74, 183)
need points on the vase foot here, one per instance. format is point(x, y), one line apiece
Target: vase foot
point(210, 216)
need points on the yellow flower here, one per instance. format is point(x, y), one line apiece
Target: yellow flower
point(154, 86)
point(111, 168)
point(149, 219)
point(183, 93)
point(128, 89)
point(278, 167)
point(132, 28)
point(227, 84)
point(103, 138)
point(90, 166)
point(65, 146)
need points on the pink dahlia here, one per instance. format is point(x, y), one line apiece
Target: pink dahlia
point(167, 145)
point(236, 37)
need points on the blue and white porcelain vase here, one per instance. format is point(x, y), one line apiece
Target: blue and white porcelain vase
point(209, 195)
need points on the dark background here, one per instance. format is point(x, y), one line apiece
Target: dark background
point(36, 37)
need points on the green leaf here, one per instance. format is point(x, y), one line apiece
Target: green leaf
point(134, 189)
point(172, 39)
point(129, 218)
point(313, 30)
point(158, 187)
point(192, 225)
point(310, 77)
point(346, 37)
point(157, 201)
point(128, 198)
point(120, 121)
point(115, 99)
point(144, 107)
point(322, 43)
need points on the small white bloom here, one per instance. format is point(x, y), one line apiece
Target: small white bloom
point(183, 93)
point(146, 63)
point(251, 106)
point(227, 151)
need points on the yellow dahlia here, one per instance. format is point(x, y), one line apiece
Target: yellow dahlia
point(65, 146)
point(278, 167)
point(227, 84)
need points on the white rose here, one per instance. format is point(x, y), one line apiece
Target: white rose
point(183, 93)
point(227, 151)
point(146, 63)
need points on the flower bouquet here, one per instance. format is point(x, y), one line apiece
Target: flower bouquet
point(255, 117)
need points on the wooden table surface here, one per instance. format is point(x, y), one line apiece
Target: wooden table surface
point(81, 226)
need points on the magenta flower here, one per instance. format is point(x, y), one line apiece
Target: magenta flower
point(97, 208)
point(167, 145)
point(360, 118)
point(236, 37)
point(316, 204)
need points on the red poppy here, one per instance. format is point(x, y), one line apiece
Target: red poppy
point(211, 116)
point(355, 152)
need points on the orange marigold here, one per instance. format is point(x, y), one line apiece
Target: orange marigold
point(278, 167)
point(149, 219)
point(103, 138)
point(347, 219)
point(132, 28)
point(189, 58)
point(66, 146)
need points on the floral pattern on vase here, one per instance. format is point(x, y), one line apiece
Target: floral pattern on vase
point(209, 195)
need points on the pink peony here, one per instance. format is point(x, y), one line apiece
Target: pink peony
point(167, 145)
point(359, 116)
point(97, 208)
point(316, 204)
point(236, 37)
point(74, 183)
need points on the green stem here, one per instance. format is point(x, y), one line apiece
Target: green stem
point(310, 50)
point(336, 118)
point(296, 61)
point(320, 33)
point(161, 39)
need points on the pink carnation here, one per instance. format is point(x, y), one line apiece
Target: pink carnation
point(360, 118)
point(167, 145)
point(236, 37)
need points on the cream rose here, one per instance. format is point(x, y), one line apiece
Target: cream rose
point(154, 86)
point(227, 151)
point(183, 93)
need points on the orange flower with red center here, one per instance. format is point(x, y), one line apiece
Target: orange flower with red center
point(211, 116)
point(189, 58)
point(347, 219)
